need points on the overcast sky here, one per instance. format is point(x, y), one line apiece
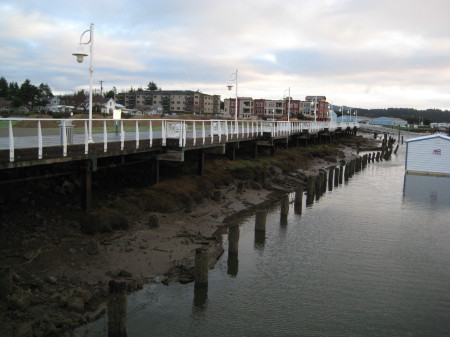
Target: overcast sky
point(359, 53)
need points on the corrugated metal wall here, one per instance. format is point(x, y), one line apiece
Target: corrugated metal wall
point(428, 154)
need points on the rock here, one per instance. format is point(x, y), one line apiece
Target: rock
point(24, 330)
point(85, 294)
point(19, 301)
point(240, 187)
point(52, 279)
point(125, 273)
point(275, 170)
point(72, 250)
point(255, 185)
point(92, 248)
point(75, 304)
point(153, 221)
point(6, 283)
point(330, 159)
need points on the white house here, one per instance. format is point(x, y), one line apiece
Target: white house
point(109, 105)
point(429, 155)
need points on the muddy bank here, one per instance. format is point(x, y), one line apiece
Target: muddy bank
point(56, 261)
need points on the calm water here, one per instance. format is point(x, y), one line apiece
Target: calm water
point(370, 258)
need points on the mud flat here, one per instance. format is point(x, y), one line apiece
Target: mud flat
point(55, 264)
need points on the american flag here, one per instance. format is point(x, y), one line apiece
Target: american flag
point(437, 152)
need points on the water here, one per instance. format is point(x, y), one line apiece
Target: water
point(370, 258)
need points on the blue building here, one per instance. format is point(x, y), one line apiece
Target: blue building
point(388, 121)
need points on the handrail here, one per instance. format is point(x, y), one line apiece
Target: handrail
point(65, 132)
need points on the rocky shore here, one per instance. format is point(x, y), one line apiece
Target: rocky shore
point(56, 262)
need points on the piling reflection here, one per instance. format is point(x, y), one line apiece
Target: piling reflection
point(233, 249)
point(421, 189)
point(260, 239)
point(200, 302)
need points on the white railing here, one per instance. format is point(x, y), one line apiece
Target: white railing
point(21, 133)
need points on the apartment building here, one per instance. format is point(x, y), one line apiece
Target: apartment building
point(245, 107)
point(171, 101)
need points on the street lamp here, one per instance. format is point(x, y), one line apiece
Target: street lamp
point(350, 114)
point(356, 115)
point(236, 105)
point(314, 103)
point(342, 114)
point(289, 103)
point(80, 54)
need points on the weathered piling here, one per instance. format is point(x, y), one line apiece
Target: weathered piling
point(217, 196)
point(233, 238)
point(285, 205)
point(324, 181)
point(310, 190)
point(318, 183)
point(201, 266)
point(331, 178)
point(260, 220)
point(396, 149)
point(373, 157)
point(298, 202)
point(117, 309)
point(378, 156)
point(336, 176)
point(369, 157)
point(347, 172)
point(6, 283)
point(341, 174)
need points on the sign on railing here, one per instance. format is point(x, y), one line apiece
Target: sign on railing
point(173, 129)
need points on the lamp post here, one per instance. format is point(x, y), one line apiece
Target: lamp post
point(236, 105)
point(289, 103)
point(356, 115)
point(342, 114)
point(314, 102)
point(80, 54)
point(350, 114)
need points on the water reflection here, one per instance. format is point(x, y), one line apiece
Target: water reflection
point(200, 302)
point(422, 189)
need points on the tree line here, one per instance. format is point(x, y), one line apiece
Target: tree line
point(25, 94)
point(412, 116)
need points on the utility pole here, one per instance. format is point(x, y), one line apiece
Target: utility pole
point(101, 89)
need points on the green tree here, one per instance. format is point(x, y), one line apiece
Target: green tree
point(28, 93)
point(4, 92)
point(152, 86)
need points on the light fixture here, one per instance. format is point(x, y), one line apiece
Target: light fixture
point(80, 54)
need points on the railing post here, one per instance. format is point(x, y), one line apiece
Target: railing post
point(226, 131)
point(11, 142)
point(184, 133)
point(211, 131)
point(39, 140)
point(163, 132)
point(150, 133)
point(86, 138)
point(105, 137)
point(137, 135)
point(203, 132)
point(194, 133)
point(220, 131)
point(122, 136)
point(64, 138)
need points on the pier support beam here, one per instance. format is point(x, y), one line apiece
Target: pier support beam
point(260, 220)
point(86, 198)
point(201, 267)
point(117, 309)
point(201, 163)
point(154, 171)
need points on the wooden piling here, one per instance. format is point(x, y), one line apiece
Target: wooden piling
point(341, 174)
point(6, 283)
point(217, 196)
point(285, 205)
point(336, 176)
point(260, 220)
point(298, 203)
point(331, 178)
point(117, 309)
point(233, 238)
point(201, 266)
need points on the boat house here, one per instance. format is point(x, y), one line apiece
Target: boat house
point(429, 155)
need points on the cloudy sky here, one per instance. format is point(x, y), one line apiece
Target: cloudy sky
point(360, 53)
